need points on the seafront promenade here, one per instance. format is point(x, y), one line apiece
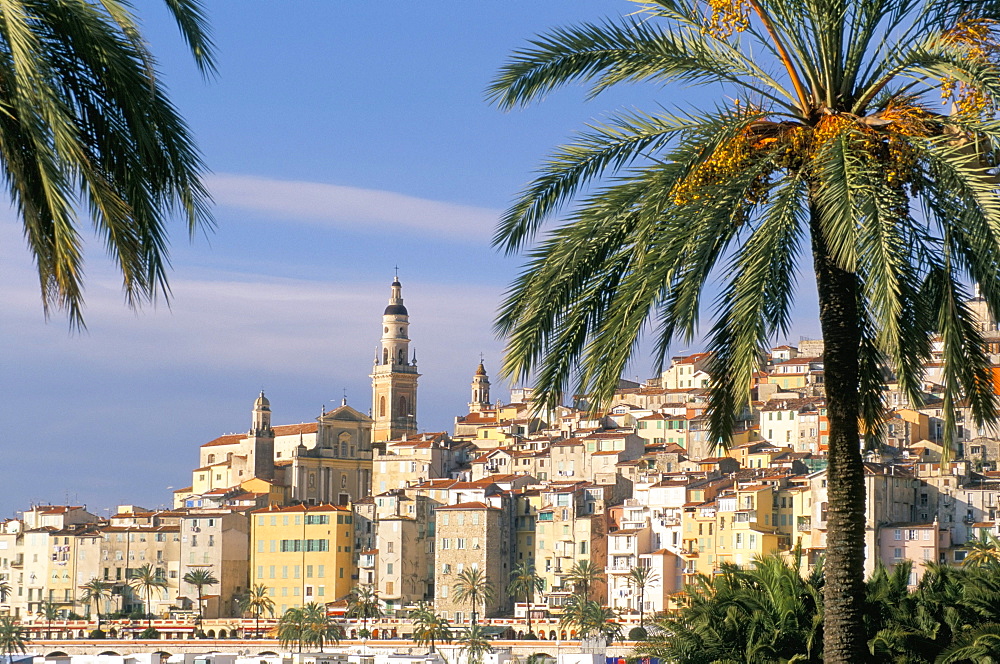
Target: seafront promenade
point(224, 630)
point(71, 637)
point(519, 649)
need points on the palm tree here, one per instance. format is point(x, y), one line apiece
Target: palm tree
point(146, 580)
point(475, 644)
point(363, 602)
point(983, 551)
point(590, 619)
point(473, 586)
point(87, 124)
point(94, 592)
point(428, 627)
point(525, 582)
point(291, 627)
point(50, 611)
point(317, 628)
point(831, 143)
point(583, 575)
point(5, 590)
point(766, 612)
point(13, 639)
point(199, 578)
point(257, 601)
point(641, 578)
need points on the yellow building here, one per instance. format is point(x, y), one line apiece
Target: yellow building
point(302, 553)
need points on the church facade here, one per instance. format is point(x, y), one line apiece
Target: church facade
point(328, 461)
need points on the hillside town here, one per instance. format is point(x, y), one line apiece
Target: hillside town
point(366, 498)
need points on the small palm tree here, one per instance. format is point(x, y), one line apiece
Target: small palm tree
point(51, 611)
point(363, 603)
point(475, 644)
point(525, 582)
point(584, 575)
point(590, 619)
point(983, 551)
point(428, 627)
point(317, 627)
point(291, 627)
point(474, 587)
point(765, 612)
point(4, 591)
point(146, 581)
point(199, 578)
point(640, 578)
point(257, 601)
point(977, 645)
point(96, 591)
point(13, 639)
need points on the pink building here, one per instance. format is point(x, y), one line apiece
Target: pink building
point(919, 543)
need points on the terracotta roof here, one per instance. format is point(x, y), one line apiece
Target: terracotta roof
point(229, 439)
point(475, 505)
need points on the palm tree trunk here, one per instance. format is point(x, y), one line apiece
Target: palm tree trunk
point(642, 593)
point(843, 593)
point(527, 601)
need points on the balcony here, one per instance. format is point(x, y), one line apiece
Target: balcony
point(617, 569)
point(804, 525)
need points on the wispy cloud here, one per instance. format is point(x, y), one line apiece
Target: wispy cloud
point(347, 207)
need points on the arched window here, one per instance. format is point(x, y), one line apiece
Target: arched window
point(402, 406)
point(385, 356)
point(402, 358)
point(381, 406)
point(344, 439)
point(211, 458)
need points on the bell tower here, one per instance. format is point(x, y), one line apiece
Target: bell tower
point(394, 376)
point(480, 390)
point(261, 438)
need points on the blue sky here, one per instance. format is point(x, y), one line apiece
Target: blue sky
point(344, 139)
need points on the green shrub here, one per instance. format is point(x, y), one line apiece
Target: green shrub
point(149, 633)
point(98, 634)
point(637, 634)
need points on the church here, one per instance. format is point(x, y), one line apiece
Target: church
point(328, 461)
